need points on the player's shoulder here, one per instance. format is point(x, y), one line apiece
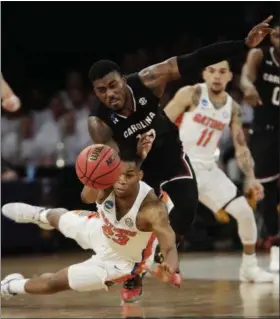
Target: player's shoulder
point(99, 110)
point(134, 80)
point(152, 205)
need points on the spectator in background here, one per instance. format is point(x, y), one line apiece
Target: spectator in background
point(74, 81)
point(49, 133)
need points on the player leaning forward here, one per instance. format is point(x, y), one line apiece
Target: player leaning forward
point(204, 111)
point(123, 234)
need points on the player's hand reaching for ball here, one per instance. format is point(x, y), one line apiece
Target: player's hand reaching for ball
point(164, 273)
point(254, 185)
point(252, 97)
point(259, 32)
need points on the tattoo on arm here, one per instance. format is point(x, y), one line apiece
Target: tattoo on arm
point(242, 152)
point(156, 76)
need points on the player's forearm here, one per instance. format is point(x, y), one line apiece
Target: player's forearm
point(208, 55)
point(170, 256)
point(247, 80)
point(245, 162)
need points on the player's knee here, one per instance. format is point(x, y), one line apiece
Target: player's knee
point(244, 215)
point(240, 209)
point(86, 277)
point(69, 224)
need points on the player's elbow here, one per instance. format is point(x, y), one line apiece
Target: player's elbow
point(88, 195)
point(86, 199)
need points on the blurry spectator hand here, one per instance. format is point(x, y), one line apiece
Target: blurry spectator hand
point(259, 32)
point(254, 185)
point(252, 97)
point(9, 175)
point(11, 104)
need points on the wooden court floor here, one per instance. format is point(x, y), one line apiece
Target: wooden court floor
point(211, 289)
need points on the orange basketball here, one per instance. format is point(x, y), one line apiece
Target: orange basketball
point(98, 166)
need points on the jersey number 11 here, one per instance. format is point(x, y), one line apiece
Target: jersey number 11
point(205, 137)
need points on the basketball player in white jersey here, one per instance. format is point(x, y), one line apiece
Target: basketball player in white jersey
point(123, 234)
point(10, 102)
point(205, 110)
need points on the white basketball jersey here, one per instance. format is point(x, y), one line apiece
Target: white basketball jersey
point(201, 129)
point(122, 236)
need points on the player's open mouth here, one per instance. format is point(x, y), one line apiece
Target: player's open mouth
point(114, 102)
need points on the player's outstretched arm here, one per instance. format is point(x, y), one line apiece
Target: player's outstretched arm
point(249, 76)
point(242, 153)
point(101, 133)
point(180, 103)
point(155, 216)
point(156, 76)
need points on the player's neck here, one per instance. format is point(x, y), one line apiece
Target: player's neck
point(217, 99)
point(124, 204)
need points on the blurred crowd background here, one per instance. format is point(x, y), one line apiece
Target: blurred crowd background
point(47, 49)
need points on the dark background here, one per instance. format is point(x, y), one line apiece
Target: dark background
point(41, 41)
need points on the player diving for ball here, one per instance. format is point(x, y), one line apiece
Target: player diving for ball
point(204, 110)
point(123, 233)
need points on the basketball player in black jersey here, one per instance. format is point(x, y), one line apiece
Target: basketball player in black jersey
point(260, 83)
point(128, 117)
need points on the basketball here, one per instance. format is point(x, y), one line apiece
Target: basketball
point(98, 166)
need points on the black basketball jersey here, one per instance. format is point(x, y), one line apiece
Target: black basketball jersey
point(268, 86)
point(147, 116)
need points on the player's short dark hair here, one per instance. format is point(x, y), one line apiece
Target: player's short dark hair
point(101, 68)
point(130, 156)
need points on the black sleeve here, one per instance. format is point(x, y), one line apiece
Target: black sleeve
point(208, 55)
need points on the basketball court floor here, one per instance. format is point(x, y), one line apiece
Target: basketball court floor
point(210, 289)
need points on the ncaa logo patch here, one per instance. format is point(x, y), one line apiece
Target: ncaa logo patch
point(128, 221)
point(204, 103)
point(109, 204)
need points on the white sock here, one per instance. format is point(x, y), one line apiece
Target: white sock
point(43, 216)
point(17, 286)
point(249, 260)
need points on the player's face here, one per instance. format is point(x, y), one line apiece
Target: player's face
point(275, 39)
point(217, 76)
point(111, 90)
point(128, 181)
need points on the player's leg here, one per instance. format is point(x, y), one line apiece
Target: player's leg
point(218, 192)
point(265, 150)
point(183, 192)
point(268, 207)
point(86, 276)
point(72, 224)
